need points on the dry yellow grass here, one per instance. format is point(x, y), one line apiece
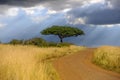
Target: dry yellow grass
point(30, 63)
point(108, 57)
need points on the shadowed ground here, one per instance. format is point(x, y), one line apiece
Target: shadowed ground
point(79, 67)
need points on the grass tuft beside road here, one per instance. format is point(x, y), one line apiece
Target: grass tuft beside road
point(30, 62)
point(108, 57)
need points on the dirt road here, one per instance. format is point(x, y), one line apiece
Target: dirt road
point(79, 67)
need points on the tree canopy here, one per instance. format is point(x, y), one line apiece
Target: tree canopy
point(62, 31)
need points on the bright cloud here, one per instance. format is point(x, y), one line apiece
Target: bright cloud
point(51, 12)
point(12, 12)
point(111, 25)
point(32, 10)
point(97, 1)
point(39, 19)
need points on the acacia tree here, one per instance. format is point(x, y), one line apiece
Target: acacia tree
point(62, 31)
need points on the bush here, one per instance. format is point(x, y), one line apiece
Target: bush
point(39, 42)
point(36, 42)
point(15, 42)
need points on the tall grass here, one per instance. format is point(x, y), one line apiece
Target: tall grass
point(29, 62)
point(108, 57)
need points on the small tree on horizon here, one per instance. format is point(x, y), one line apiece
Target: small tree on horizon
point(62, 31)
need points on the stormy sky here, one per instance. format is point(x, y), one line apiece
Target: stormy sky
point(24, 19)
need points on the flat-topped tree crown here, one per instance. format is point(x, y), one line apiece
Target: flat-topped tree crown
point(62, 31)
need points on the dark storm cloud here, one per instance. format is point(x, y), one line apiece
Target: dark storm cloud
point(52, 4)
point(98, 14)
point(63, 4)
point(6, 4)
point(29, 3)
point(107, 16)
point(20, 2)
point(56, 5)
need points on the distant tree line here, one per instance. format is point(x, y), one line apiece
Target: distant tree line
point(38, 42)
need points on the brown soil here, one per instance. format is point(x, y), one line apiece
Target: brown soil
point(79, 67)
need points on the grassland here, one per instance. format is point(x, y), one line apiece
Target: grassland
point(30, 62)
point(108, 57)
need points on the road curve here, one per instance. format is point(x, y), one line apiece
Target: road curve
point(79, 67)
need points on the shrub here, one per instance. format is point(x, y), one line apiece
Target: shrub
point(36, 41)
point(39, 42)
point(15, 42)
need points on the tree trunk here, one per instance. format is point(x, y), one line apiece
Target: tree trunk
point(61, 39)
